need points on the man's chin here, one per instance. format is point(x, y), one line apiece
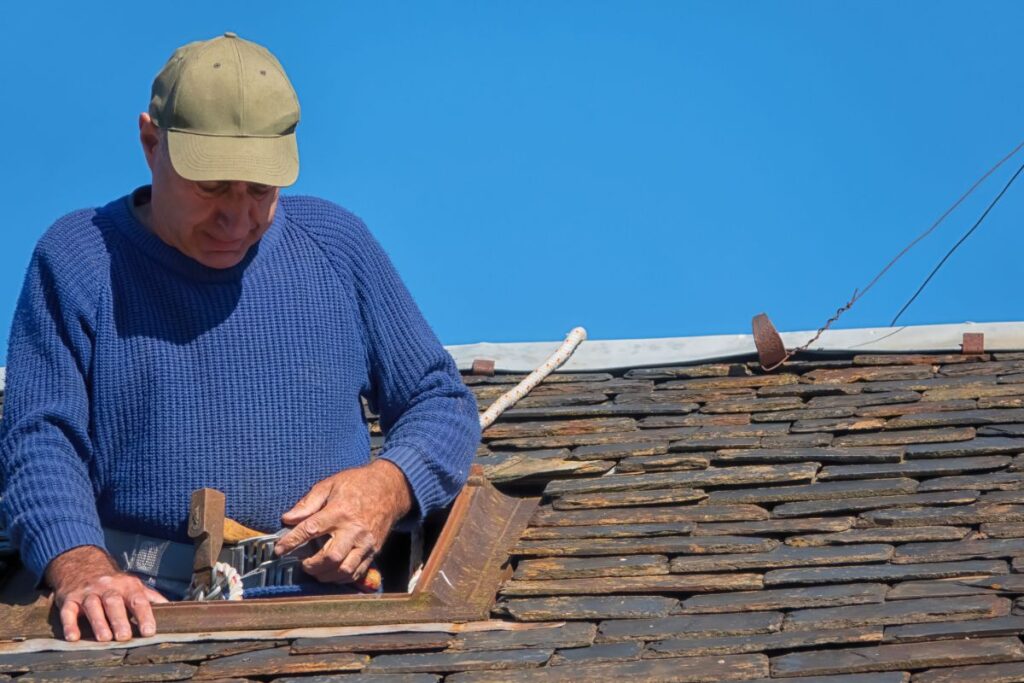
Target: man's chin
point(221, 259)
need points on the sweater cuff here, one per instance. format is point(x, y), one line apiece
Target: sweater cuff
point(55, 539)
point(426, 492)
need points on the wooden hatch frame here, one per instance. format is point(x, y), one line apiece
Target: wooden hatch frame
point(459, 582)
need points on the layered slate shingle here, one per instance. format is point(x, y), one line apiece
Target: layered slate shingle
point(854, 519)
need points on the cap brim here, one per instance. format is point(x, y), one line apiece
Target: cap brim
point(268, 161)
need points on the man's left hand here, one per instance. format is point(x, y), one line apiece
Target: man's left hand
point(355, 509)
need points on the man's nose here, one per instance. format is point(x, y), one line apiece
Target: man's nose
point(233, 218)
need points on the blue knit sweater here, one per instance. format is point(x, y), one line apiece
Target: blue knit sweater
point(137, 375)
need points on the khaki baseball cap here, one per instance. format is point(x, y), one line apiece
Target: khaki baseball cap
point(230, 112)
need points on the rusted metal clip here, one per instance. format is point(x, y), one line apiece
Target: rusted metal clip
point(770, 349)
point(974, 343)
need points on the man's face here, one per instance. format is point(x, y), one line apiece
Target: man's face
point(213, 222)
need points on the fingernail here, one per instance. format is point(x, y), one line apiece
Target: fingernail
point(72, 637)
point(148, 629)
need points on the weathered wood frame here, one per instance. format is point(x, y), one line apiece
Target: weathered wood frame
point(458, 583)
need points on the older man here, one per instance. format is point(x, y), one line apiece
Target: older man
point(204, 331)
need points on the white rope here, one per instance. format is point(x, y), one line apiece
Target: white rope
point(226, 579)
point(555, 361)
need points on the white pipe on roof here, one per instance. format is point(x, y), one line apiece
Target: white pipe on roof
point(633, 353)
point(615, 354)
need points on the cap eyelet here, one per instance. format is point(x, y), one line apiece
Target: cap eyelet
point(216, 65)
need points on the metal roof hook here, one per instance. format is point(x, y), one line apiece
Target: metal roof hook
point(770, 349)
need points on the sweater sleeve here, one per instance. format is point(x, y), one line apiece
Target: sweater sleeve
point(428, 415)
point(45, 450)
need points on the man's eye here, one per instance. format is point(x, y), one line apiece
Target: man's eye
point(260, 190)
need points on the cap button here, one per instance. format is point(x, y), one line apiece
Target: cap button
point(230, 34)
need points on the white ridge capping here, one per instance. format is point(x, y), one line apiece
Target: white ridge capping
point(616, 354)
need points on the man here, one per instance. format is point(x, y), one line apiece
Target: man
point(204, 331)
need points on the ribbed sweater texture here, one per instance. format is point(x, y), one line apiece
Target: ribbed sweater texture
point(136, 375)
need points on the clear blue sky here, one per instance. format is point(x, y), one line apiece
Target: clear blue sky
point(643, 169)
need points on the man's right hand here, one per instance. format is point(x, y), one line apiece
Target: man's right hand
point(86, 579)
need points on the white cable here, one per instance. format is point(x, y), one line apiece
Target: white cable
point(555, 361)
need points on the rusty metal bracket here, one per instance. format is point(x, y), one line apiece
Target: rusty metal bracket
point(974, 343)
point(770, 349)
point(482, 366)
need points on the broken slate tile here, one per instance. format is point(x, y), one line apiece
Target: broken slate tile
point(811, 440)
point(898, 612)
point(676, 647)
point(582, 567)
point(898, 657)
point(663, 463)
point(784, 556)
point(659, 545)
point(165, 653)
point(704, 626)
point(450, 662)
point(590, 607)
point(982, 628)
point(883, 572)
point(841, 424)
point(785, 598)
point(845, 505)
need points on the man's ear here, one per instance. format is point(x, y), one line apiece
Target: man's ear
point(149, 136)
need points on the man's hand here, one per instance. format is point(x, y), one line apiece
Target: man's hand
point(85, 579)
point(356, 509)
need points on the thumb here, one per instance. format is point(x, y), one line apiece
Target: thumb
point(307, 505)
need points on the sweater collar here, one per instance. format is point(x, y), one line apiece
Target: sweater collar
point(121, 214)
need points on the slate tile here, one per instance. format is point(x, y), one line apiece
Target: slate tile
point(933, 384)
point(862, 400)
point(554, 377)
point(956, 418)
point(898, 409)
point(990, 368)
point(915, 359)
point(807, 391)
point(906, 437)
point(278, 662)
point(570, 634)
point(119, 674)
point(590, 607)
point(608, 409)
point(583, 567)
point(880, 535)
point(539, 533)
point(784, 598)
point(819, 455)
point(845, 505)
point(678, 670)
point(505, 469)
point(973, 389)
point(704, 384)
point(898, 612)
point(942, 588)
point(1012, 672)
point(1002, 497)
point(664, 463)
point(681, 515)
point(982, 445)
point(977, 513)
point(684, 371)
point(619, 499)
point(728, 645)
point(914, 468)
point(1001, 402)
point(898, 657)
point(784, 556)
point(49, 661)
point(573, 440)
point(824, 491)
point(753, 405)
point(878, 677)
point(595, 654)
point(842, 424)
point(1006, 430)
point(508, 430)
point(870, 374)
point(982, 628)
point(692, 420)
point(882, 572)
point(981, 549)
point(354, 678)
point(707, 442)
point(709, 432)
point(1001, 530)
point(704, 625)
point(712, 476)
point(770, 527)
point(411, 641)
point(981, 482)
point(802, 414)
point(450, 662)
point(811, 440)
point(615, 451)
point(164, 653)
point(684, 396)
point(663, 544)
point(625, 585)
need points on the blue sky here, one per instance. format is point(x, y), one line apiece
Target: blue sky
point(643, 169)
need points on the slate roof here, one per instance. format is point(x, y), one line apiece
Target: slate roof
point(857, 519)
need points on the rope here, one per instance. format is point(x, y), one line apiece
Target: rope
point(555, 361)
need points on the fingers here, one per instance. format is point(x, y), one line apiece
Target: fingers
point(117, 615)
point(139, 604)
point(97, 616)
point(310, 528)
point(344, 558)
point(69, 620)
point(307, 505)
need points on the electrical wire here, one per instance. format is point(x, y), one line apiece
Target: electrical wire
point(957, 245)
